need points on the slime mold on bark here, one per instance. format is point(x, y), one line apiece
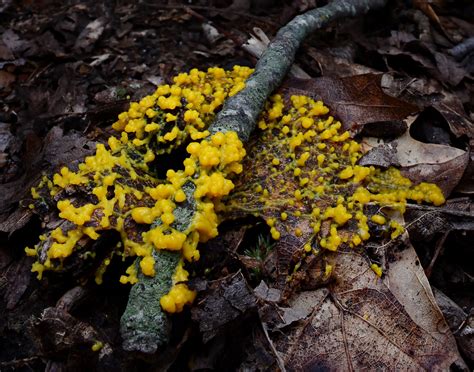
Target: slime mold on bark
point(118, 188)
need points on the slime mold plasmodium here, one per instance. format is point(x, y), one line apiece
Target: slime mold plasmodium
point(118, 187)
point(311, 185)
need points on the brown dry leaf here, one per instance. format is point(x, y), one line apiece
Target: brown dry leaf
point(331, 65)
point(224, 301)
point(429, 94)
point(57, 150)
point(6, 80)
point(460, 323)
point(426, 221)
point(355, 100)
point(58, 332)
point(361, 321)
point(420, 162)
point(90, 34)
point(356, 320)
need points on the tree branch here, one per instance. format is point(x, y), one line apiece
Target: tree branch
point(240, 112)
point(150, 330)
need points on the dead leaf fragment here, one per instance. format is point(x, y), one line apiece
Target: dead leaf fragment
point(58, 149)
point(58, 332)
point(6, 80)
point(420, 162)
point(362, 323)
point(225, 301)
point(448, 69)
point(355, 100)
point(91, 33)
point(331, 65)
point(461, 324)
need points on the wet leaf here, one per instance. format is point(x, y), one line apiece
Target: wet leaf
point(58, 332)
point(426, 221)
point(461, 324)
point(354, 319)
point(58, 149)
point(449, 69)
point(91, 33)
point(14, 43)
point(339, 67)
point(420, 162)
point(223, 302)
point(6, 80)
point(355, 100)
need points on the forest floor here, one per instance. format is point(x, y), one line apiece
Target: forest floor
point(68, 68)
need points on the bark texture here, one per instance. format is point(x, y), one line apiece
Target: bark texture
point(241, 111)
point(144, 325)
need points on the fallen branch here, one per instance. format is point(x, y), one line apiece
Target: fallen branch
point(239, 114)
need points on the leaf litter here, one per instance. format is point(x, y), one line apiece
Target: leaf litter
point(54, 115)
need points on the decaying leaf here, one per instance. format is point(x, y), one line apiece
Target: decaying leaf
point(59, 331)
point(331, 65)
point(296, 182)
point(461, 324)
point(41, 47)
point(363, 321)
point(303, 180)
point(224, 302)
point(427, 221)
point(427, 162)
point(59, 148)
point(355, 100)
point(91, 34)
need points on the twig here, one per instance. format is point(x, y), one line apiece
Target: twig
point(279, 360)
point(139, 330)
point(240, 112)
point(438, 248)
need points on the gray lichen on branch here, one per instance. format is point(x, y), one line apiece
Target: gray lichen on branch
point(128, 197)
point(241, 111)
point(144, 326)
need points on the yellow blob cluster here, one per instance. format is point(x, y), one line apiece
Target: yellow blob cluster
point(302, 176)
point(309, 171)
point(180, 294)
point(116, 189)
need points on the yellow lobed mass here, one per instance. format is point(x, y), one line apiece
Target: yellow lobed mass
point(311, 185)
point(124, 195)
point(116, 189)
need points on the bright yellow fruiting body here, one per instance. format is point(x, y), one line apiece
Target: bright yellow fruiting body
point(299, 142)
point(377, 218)
point(317, 182)
point(97, 346)
point(126, 196)
point(376, 269)
point(180, 294)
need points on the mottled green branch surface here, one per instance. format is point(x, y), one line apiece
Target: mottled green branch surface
point(144, 326)
point(240, 112)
